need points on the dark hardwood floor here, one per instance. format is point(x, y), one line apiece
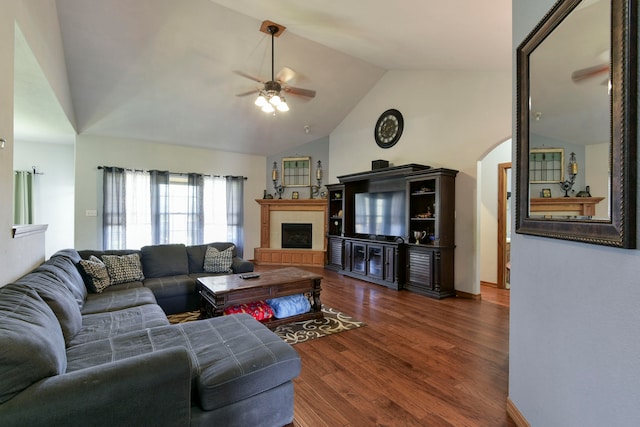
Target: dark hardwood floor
point(418, 362)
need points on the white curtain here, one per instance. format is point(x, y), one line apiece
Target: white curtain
point(138, 212)
point(23, 183)
point(215, 209)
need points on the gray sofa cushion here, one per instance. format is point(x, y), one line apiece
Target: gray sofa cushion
point(196, 254)
point(164, 260)
point(243, 359)
point(59, 298)
point(65, 269)
point(107, 325)
point(31, 342)
point(167, 287)
point(86, 253)
point(233, 357)
point(113, 301)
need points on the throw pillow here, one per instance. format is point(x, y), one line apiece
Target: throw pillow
point(259, 310)
point(95, 269)
point(218, 262)
point(123, 268)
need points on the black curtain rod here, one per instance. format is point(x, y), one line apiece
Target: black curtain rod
point(176, 173)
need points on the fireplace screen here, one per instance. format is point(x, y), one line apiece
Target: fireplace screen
point(296, 236)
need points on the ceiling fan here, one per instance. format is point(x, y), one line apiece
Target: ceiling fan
point(271, 95)
point(589, 72)
point(596, 70)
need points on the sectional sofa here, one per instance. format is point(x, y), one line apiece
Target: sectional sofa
point(69, 356)
point(171, 271)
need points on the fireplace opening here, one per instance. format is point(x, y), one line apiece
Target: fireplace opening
point(295, 235)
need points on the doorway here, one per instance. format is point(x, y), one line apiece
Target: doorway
point(504, 225)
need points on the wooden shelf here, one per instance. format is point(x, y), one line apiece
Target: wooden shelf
point(580, 206)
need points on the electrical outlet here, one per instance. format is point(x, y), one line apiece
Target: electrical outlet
point(91, 212)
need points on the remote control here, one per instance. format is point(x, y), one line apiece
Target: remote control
point(250, 275)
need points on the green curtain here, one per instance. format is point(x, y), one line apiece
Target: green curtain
point(23, 200)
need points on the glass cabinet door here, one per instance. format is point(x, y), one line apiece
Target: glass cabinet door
point(375, 261)
point(359, 258)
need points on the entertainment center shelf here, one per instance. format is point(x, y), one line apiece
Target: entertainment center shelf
point(395, 227)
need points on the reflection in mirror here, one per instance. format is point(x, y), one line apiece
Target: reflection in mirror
point(570, 114)
point(576, 124)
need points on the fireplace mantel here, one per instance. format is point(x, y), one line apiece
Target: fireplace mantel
point(270, 255)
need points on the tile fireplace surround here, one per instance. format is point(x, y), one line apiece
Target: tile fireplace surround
point(273, 212)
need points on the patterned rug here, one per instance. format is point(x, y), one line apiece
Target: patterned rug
point(334, 322)
point(297, 332)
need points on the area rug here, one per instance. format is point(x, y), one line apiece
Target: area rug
point(297, 332)
point(334, 322)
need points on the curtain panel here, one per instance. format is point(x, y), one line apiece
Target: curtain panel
point(235, 212)
point(23, 209)
point(195, 209)
point(159, 207)
point(113, 208)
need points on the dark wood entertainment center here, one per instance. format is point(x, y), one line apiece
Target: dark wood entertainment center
point(424, 265)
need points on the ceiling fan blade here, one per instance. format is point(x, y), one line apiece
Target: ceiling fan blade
point(285, 74)
point(248, 76)
point(586, 73)
point(248, 93)
point(299, 91)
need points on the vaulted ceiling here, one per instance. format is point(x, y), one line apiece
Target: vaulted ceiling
point(163, 70)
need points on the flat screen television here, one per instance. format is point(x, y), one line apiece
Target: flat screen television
point(381, 214)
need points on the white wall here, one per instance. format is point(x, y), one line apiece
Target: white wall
point(574, 318)
point(93, 151)
point(450, 119)
point(38, 21)
point(54, 189)
point(597, 176)
point(487, 218)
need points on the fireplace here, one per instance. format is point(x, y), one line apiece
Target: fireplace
point(274, 213)
point(297, 236)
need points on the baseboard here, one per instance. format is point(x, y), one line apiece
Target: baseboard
point(516, 415)
point(468, 295)
point(491, 284)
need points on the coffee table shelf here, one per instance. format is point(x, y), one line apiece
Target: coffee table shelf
point(219, 292)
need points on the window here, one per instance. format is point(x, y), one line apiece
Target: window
point(143, 208)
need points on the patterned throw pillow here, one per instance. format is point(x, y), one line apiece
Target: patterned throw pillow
point(97, 271)
point(123, 268)
point(259, 310)
point(218, 262)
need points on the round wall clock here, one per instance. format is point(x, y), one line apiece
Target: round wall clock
point(389, 128)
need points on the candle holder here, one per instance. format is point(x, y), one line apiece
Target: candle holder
point(315, 189)
point(274, 177)
point(573, 171)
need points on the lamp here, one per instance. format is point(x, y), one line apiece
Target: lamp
point(274, 177)
point(573, 171)
point(271, 98)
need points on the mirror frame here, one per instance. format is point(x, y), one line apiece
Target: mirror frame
point(620, 229)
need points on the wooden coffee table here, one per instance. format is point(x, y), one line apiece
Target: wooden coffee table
point(219, 292)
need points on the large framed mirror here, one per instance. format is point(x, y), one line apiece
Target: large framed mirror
point(577, 95)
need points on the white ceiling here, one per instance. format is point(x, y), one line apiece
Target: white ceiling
point(162, 70)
